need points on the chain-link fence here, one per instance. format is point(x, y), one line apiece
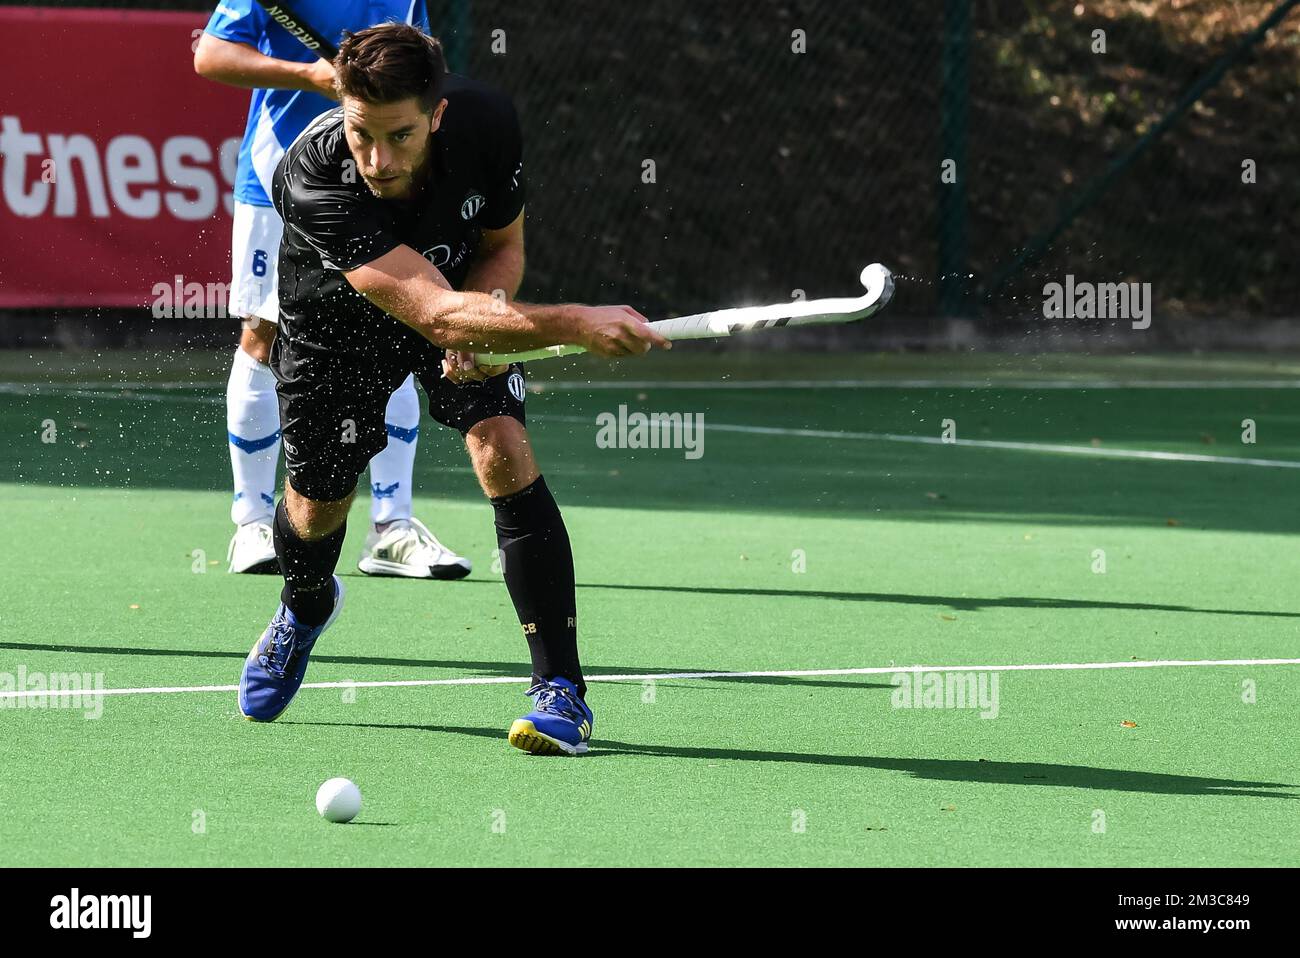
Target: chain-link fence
point(683, 156)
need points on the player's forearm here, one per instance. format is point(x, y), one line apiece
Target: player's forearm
point(238, 64)
point(403, 284)
point(479, 322)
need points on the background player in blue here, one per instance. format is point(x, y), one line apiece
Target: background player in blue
point(243, 47)
point(404, 217)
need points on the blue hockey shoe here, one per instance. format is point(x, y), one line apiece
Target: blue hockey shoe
point(559, 724)
point(277, 663)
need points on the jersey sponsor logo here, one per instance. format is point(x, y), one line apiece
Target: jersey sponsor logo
point(441, 255)
point(516, 386)
point(300, 33)
point(472, 205)
point(438, 255)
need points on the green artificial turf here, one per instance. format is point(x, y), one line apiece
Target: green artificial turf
point(850, 547)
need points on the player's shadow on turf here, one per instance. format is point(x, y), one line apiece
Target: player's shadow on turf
point(959, 604)
point(993, 773)
point(934, 769)
point(488, 669)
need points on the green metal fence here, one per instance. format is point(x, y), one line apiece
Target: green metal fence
point(793, 142)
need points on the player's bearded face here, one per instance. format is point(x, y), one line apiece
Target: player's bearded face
point(390, 143)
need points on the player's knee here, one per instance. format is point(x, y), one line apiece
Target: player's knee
point(256, 338)
point(502, 455)
point(498, 438)
point(317, 523)
point(312, 519)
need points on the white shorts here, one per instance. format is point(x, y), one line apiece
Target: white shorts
point(254, 253)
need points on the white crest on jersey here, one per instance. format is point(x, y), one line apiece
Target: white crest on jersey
point(470, 208)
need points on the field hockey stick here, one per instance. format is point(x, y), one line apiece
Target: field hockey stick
point(299, 29)
point(879, 283)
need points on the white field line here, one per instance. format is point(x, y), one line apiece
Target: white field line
point(1098, 451)
point(112, 390)
point(656, 676)
point(1059, 448)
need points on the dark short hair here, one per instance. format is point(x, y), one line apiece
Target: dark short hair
point(391, 62)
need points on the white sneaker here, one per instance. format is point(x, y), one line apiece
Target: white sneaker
point(252, 550)
point(408, 548)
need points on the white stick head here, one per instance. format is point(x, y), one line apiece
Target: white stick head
point(879, 283)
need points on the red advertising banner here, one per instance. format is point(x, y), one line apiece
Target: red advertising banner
point(116, 159)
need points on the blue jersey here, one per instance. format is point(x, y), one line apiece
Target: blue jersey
point(276, 117)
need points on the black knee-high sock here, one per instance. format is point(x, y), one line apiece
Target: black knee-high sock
point(308, 568)
point(537, 563)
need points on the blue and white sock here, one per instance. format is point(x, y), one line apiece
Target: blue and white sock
point(391, 470)
point(253, 428)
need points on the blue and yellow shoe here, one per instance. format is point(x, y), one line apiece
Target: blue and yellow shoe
point(559, 724)
point(277, 663)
